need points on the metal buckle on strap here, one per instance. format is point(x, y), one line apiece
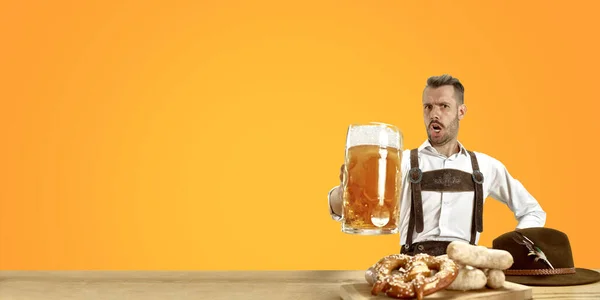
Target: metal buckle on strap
point(477, 176)
point(415, 175)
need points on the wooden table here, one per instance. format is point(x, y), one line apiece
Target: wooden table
point(215, 285)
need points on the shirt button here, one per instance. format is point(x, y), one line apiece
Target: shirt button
point(420, 247)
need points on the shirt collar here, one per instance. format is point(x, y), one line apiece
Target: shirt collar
point(427, 146)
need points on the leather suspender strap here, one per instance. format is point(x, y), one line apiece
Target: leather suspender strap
point(411, 227)
point(416, 216)
point(477, 223)
point(415, 177)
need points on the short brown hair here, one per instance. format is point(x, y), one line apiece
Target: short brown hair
point(442, 80)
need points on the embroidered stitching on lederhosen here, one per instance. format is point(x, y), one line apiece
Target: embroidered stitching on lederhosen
point(443, 180)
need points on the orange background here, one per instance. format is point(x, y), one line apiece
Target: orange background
point(206, 135)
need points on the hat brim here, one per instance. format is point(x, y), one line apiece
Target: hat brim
point(581, 276)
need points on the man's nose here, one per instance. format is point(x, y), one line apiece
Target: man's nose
point(434, 114)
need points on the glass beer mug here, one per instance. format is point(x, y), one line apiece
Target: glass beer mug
point(372, 179)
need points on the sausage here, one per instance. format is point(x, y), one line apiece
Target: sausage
point(479, 256)
point(495, 279)
point(469, 278)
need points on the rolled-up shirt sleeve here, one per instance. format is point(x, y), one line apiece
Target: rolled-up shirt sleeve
point(510, 191)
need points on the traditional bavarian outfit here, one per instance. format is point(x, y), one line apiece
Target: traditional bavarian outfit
point(449, 188)
point(441, 180)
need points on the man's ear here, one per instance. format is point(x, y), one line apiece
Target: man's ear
point(462, 110)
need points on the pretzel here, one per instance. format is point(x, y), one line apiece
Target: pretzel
point(479, 256)
point(371, 275)
point(416, 277)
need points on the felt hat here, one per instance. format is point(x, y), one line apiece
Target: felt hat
point(542, 257)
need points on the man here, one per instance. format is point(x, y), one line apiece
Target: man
point(444, 184)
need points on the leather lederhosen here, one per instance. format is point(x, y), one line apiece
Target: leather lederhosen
point(443, 180)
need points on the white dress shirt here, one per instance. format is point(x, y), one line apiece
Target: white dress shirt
point(447, 216)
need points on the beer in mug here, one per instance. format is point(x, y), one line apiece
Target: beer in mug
point(372, 179)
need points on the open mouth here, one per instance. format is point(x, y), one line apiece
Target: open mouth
point(436, 127)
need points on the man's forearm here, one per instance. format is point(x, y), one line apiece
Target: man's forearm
point(335, 202)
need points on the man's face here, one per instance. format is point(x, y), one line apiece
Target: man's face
point(441, 114)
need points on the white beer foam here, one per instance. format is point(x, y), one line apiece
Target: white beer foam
point(374, 134)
